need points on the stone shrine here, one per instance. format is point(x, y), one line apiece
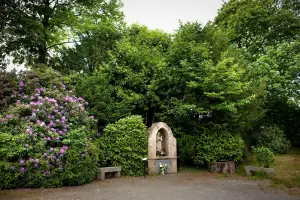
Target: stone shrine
point(162, 148)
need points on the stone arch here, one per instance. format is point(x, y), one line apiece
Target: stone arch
point(170, 141)
point(170, 158)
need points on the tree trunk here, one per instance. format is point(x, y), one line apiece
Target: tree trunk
point(150, 116)
point(42, 49)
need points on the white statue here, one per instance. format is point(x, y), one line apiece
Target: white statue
point(159, 139)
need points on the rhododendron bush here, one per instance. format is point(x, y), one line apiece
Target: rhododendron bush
point(47, 139)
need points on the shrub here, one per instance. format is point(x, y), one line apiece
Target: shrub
point(216, 146)
point(273, 138)
point(125, 144)
point(8, 89)
point(263, 155)
point(186, 147)
point(46, 137)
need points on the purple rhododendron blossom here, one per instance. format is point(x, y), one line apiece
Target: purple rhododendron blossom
point(62, 151)
point(21, 84)
point(37, 160)
point(42, 124)
point(22, 162)
point(26, 145)
point(45, 154)
point(92, 117)
point(22, 169)
point(52, 100)
point(36, 165)
point(51, 149)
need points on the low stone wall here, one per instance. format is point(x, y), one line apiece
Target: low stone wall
point(222, 166)
point(153, 165)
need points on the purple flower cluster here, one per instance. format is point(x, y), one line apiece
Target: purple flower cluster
point(50, 121)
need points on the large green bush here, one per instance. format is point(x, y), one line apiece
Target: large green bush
point(216, 146)
point(125, 144)
point(263, 155)
point(273, 138)
point(8, 89)
point(186, 147)
point(47, 137)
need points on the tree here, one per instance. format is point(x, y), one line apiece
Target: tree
point(280, 69)
point(91, 50)
point(32, 30)
point(129, 82)
point(256, 24)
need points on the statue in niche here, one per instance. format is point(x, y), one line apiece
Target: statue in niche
point(159, 144)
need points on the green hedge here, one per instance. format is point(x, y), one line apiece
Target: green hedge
point(125, 143)
point(209, 146)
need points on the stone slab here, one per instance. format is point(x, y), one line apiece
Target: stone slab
point(103, 170)
point(249, 169)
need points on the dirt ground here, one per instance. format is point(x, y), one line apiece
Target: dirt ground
point(188, 186)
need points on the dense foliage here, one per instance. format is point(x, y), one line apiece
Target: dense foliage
point(263, 156)
point(125, 144)
point(8, 88)
point(215, 85)
point(274, 139)
point(46, 138)
point(30, 30)
point(210, 146)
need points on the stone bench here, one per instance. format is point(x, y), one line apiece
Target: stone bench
point(249, 169)
point(103, 170)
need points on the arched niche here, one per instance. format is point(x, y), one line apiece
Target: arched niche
point(168, 143)
point(162, 130)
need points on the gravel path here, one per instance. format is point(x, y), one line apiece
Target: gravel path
point(188, 186)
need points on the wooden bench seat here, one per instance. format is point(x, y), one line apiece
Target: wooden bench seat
point(103, 170)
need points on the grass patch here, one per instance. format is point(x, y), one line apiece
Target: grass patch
point(287, 169)
point(192, 169)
